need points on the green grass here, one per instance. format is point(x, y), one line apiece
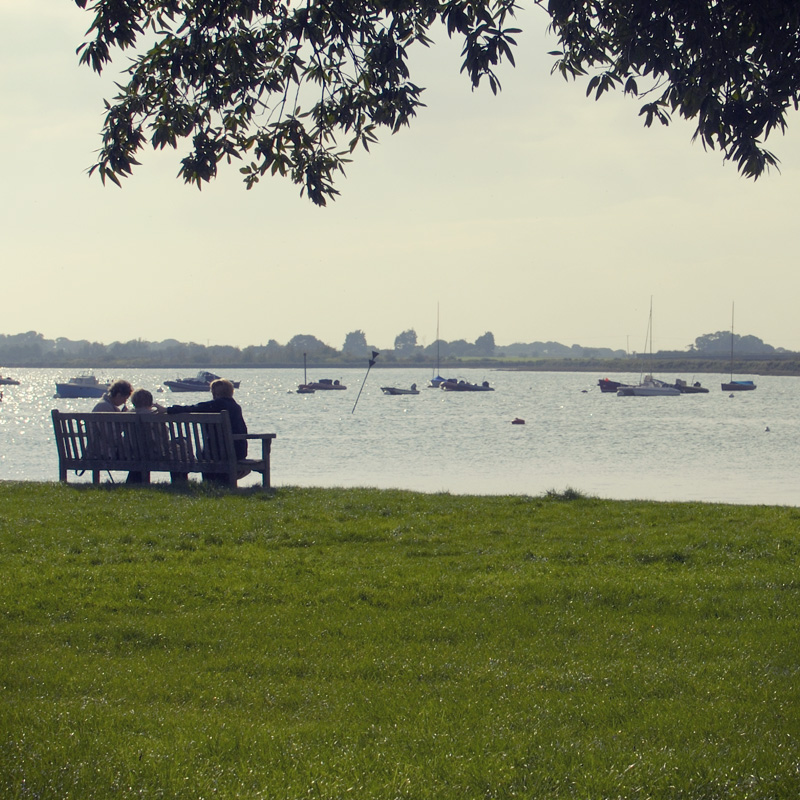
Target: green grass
point(386, 644)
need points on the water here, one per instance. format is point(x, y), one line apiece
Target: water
point(708, 447)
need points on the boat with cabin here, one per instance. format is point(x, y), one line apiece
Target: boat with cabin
point(649, 386)
point(6, 381)
point(322, 385)
point(81, 386)
point(200, 383)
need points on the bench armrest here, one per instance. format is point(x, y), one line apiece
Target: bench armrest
point(266, 441)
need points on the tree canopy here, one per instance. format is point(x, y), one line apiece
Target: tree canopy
point(294, 88)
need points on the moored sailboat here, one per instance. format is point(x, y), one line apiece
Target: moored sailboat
point(649, 386)
point(437, 380)
point(732, 385)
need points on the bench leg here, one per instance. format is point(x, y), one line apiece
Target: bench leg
point(266, 447)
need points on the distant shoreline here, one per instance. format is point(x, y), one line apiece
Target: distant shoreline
point(753, 365)
point(695, 366)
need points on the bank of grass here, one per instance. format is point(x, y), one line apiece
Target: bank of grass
point(385, 644)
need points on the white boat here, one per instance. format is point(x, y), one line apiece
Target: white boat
point(81, 386)
point(396, 390)
point(200, 383)
point(649, 386)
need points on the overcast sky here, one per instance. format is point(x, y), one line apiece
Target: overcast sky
point(538, 214)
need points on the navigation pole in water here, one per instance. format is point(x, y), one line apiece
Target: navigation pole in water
point(375, 354)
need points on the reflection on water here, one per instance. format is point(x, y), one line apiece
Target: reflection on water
point(694, 447)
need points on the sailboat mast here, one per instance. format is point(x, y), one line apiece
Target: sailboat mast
point(733, 304)
point(648, 345)
point(436, 373)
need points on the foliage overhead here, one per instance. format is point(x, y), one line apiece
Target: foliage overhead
point(279, 85)
point(294, 88)
point(731, 66)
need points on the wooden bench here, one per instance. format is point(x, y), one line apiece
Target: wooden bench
point(145, 443)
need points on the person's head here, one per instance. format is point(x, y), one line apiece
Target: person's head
point(141, 398)
point(221, 388)
point(119, 392)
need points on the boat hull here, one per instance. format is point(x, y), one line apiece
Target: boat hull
point(452, 386)
point(607, 385)
point(395, 390)
point(738, 386)
point(647, 390)
point(70, 390)
point(186, 386)
point(690, 388)
point(200, 383)
point(638, 391)
point(324, 385)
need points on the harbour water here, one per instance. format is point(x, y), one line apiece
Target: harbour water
point(710, 447)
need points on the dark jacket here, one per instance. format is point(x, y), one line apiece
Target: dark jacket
point(215, 406)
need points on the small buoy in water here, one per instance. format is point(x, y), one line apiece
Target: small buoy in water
point(766, 430)
point(517, 421)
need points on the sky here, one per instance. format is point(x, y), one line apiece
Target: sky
point(538, 214)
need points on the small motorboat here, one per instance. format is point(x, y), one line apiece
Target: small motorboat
point(6, 381)
point(200, 383)
point(693, 388)
point(81, 386)
point(324, 384)
point(466, 386)
point(607, 385)
point(396, 390)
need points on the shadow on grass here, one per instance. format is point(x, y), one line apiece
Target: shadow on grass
point(187, 488)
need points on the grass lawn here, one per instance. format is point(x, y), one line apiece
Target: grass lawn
point(383, 644)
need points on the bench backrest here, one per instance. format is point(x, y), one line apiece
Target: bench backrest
point(130, 441)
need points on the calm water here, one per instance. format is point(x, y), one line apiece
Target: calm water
point(694, 447)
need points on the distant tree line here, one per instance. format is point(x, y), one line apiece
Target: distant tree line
point(32, 349)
